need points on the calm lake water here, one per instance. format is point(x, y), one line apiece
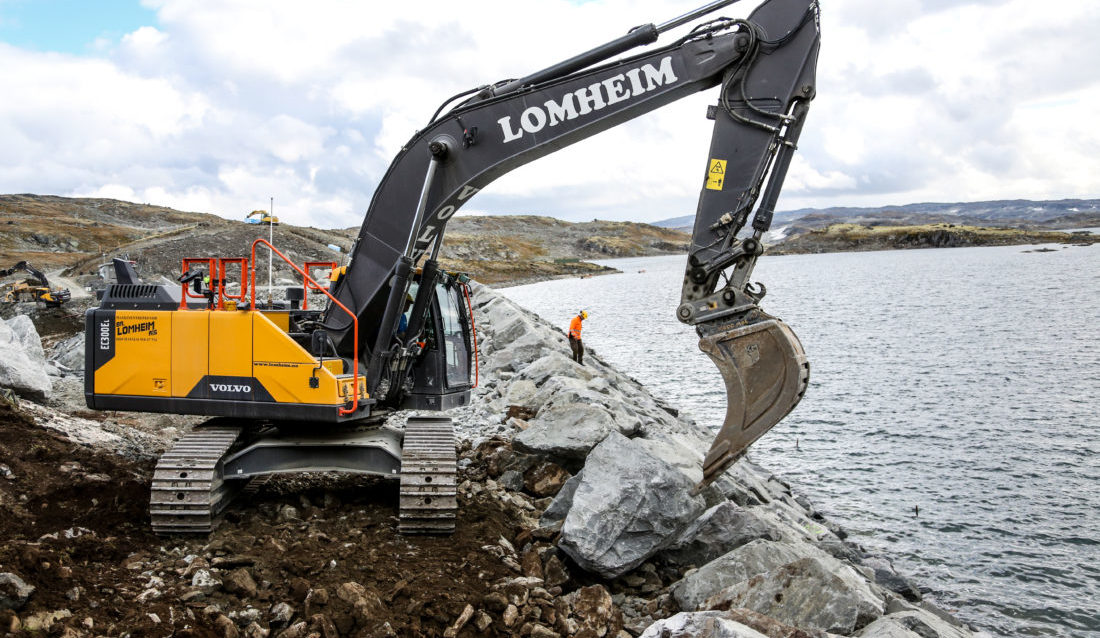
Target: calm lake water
point(965, 381)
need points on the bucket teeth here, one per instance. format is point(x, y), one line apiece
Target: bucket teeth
point(188, 491)
point(428, 501)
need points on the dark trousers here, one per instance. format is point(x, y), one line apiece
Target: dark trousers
point(578, 350)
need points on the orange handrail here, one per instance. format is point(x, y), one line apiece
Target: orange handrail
point(216, 269)
point(354, 319)
point(223, 274)
point(211, 269)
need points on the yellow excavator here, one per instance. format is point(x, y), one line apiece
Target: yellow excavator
point(264, 218)
point(34, 288)
point(292, 388)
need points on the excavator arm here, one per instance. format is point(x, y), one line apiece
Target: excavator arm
point(41, 290)
point(38, 275)
point(765, 68)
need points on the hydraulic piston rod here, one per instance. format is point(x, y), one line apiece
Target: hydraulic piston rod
point(638, 36)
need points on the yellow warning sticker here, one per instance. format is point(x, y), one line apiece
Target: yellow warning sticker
point(716, 175)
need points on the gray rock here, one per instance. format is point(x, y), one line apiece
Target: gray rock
point(886, 576)
point(517, 354)
point(699, 624)
point(600, 384)
point(842, 550)
point(69, 353)
point(14, 593)
point(554, 364)
point(520, 393)
point(917, 623)
point(18, 369)
point(558, 389)
point(740, 564)
point(808, 593)
point(720, 529)
point(627, 507)
point(675, 453)
point(511, 480)
point(27, 335)
point(507, 325)
point(565, 431)
point(559, 507)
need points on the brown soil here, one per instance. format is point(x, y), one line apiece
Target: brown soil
point(340, 530)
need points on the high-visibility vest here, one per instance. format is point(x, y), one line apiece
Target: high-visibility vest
point(575, 327)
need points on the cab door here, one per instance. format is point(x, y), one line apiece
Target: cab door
point(454, 336)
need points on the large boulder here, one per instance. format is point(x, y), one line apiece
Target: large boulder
point(24, 330)
point(555, 514)
point(627, 506)
point(25, 373)
point(675, 453)
point(565, 431)
point(554, 364)
point(720, 529)
point(738, 565)
point(517, 354)
point(507, 323)
point(700, 624)
point(809, 593)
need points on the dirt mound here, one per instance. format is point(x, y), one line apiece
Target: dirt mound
point(75, 527)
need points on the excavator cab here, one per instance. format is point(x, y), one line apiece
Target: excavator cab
point(440, 378)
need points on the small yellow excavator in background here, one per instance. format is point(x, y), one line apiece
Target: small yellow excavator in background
point(34, 288)
point(265, 218)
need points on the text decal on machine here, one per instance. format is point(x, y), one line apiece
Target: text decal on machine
point(595, 97)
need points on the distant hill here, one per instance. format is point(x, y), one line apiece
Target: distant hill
point(684, 222)
point(847, 237)
point(74, 236)
point(1015, 213)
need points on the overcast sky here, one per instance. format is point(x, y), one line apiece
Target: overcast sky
point(217, 106)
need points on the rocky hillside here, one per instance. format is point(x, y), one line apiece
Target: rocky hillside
point(576, 520)
point(72, 237)
point(1020, 213)
point(858, 237)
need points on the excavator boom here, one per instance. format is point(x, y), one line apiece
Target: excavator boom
point(765, 68)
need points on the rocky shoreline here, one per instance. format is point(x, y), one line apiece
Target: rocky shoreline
point(576, 520)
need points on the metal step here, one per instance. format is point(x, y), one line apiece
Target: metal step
point(428, 500)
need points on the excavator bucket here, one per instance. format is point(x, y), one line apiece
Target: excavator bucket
point(766, 373)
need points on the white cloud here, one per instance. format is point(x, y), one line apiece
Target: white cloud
point(223, 105)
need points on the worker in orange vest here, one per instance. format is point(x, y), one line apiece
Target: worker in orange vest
point(575, 343)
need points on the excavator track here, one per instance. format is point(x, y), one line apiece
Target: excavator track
point(188, 491)
point(428, 501)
